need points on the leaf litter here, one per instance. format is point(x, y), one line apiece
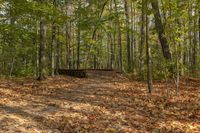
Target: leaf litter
point(106, 103)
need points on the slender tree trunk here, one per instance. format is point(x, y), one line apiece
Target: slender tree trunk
point(119, 39)
point(198, 57)
point(128, 35)
point(53, 43)
point(133, 38)
point(112, 53)
point(95, 55)
point(67, 46)
point(41, 72)
point(190, 39)
point(120, 49)
point(37, 51)
point(148, 54)
point(142, 32)
point(115, 53)
point(73, 48)
point(199, 29)
point(135, 43)
point(78, 47)
point(194, 54)
point(108, 51)
point(12, 66)
point(57, 55)
point(69, 52)
point(112, 56)
point(177, 71)
point(68, 38)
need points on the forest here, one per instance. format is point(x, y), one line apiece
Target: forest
point(105, 66)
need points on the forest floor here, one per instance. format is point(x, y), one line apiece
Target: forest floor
point(105, 103)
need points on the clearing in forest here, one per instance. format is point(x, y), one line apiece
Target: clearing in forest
point(103, 102)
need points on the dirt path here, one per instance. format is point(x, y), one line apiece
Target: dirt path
point(105, 102)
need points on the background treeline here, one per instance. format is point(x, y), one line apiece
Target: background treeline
point(146, 38)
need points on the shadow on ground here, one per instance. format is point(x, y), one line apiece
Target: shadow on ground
point(100, 103)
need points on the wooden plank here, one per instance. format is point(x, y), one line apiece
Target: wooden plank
point(99, 70)
point(73, 73)
point(82, 73)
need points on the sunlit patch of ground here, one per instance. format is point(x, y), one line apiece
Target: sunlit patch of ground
point(101, 103)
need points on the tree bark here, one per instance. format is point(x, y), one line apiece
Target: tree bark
point(68, 46)
point(57, 54)
point(142, 32)
point(53, 49)
point(161, 30)
point(148, 54)
point(41, 72)
point(129, 64)
point(133, 37)
point(194, 54)
point(119, 39)
point(78, 46)
point(53, 43)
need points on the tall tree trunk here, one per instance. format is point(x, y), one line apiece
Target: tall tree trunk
point(37, 51)
point(12, 66)
point(148, 54)
point(95, 55)
point(120, 49)
point(141, 65)
point(41, 72)
point(133, 37)
point(190, 38)
point(119, 39)
point(78, 46)
point(73, 48)
point(199, 35)
point(69, 52)
point(177, 70)
point(135, 42)
point(53, 43)
point(111, 36)
point(199, 28)
point(108, 51)
point(115, 47)
point(160, 29)
point(34, 57)
point(11, 40)
point(128, 35)
point(112, 52)
point(194, 54)
point(58, 51)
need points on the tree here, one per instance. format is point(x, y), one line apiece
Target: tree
point(126, 8)
point(161, 30)
point(142, 37)
point(148, 52)
point(41, 72)
point(119, 38)
point(53, 43)
point(107, 34)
